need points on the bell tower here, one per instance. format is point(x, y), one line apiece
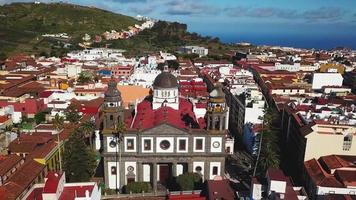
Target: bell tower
point(217, 111)
point(113, 112)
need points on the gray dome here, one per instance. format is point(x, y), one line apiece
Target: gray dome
point(112, 93)
point(165, 80)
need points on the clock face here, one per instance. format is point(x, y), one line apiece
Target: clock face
point(216, 144)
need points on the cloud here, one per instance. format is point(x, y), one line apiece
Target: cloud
point(187, 7)
point(320, 14)
point(324, 13)
point(263, 12)
point(129, 1)
point(142, 10)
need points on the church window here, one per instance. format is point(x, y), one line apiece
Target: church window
point(130, 144)
point(147, 145)
point(347, 142)
point(113, 170)
point(182, 145)
point(165, 144)
point(199, 144)
point(111, 117)
point(198, 169)
point(215, 170)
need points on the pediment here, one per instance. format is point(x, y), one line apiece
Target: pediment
point(164, 129)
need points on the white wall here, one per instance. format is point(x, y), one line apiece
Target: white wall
point(326, 79)
point(327, 190)
point(218, 148)
point(146, 173)
point(200, 164)
point(277, 186)
point(214, 164)
point(179, 169)
point(171, 147)
point(132, 164)
point(111, 178)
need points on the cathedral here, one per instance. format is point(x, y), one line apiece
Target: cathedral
point(162, 138)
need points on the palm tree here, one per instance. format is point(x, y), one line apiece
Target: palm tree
point(88, 129)
point(120, 127)
point(58, 123)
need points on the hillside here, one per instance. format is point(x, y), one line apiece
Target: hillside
point(22, 24)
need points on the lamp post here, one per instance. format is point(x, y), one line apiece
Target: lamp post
point(115, 143)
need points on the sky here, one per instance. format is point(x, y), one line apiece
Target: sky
point(301, 23)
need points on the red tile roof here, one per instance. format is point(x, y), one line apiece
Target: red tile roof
point(220, 189)
point(8, 163)
point(52, 182)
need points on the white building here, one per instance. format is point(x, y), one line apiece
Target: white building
point(326, 79)
point(201, 51)
point(56, 188)
point(278, 186)
point(96, 54)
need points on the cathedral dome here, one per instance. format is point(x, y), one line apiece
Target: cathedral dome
point(112, 90)
point(165, 80)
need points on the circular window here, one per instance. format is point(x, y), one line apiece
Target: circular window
point(112, 143)
point(198, 169)
point(165, 144)
point(216, 144)
point(130, 168)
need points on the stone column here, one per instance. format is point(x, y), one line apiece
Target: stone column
point(139, 172)
point(221, 123)
point(190, 166)
point(106, 172)
point(206, 169)
point(174, 169)
point(209, 122)
point(154, 177)
point(122, 174)
point(214, 123)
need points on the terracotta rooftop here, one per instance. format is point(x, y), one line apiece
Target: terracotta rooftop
point(8, 163)
point(220, 189)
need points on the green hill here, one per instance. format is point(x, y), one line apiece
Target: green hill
point(22, 24)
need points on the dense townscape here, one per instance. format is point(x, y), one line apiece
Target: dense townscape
point(260, 122)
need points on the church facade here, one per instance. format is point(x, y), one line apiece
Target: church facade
point(163, 138)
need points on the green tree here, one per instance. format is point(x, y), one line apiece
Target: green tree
point(138, 187)
point(40, 117)
point(88, 130)
point(188, 181)
point(269, 154)
point(72, 114)
point(58, 122)
point(79, 160)
point(173, 64)
point(270, 151)
point(85, 77)
point(3, 56)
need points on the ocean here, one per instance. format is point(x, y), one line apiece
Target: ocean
point(308, 42)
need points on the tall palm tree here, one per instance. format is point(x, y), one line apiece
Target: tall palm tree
point(58, 123)
point(88, 130)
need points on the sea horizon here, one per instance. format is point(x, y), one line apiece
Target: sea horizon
point(324, 42)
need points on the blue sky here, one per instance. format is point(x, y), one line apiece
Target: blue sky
point(234, 20)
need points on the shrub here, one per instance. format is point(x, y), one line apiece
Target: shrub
point(188, 181)
point(138, 187)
